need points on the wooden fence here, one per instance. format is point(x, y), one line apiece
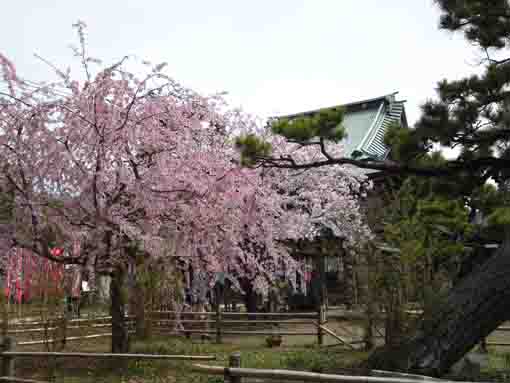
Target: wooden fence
point(8, 355)
point(224, 323)
point(235, 374)
point(221, 323)
point(501, 329)
point(217, 325)
point(46, 329)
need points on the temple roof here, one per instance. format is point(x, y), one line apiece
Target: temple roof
point(366, 122)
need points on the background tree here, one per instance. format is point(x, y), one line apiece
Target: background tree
point(424, 238)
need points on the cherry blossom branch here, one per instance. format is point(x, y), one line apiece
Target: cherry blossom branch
point(17, 99)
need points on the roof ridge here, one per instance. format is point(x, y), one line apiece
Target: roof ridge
point(350, 104)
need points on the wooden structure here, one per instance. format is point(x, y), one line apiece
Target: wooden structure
point(8, 366)
point(234, 373)
point(365, 123)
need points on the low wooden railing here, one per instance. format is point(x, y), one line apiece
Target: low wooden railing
point(8, 356)
point(213, 324)
point(220, 323)
point(217, 325)
point(235, 374)
point(18, 329)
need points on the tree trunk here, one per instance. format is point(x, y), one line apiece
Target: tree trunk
point(120, 339)
point(394, 324)
point(143, 328)
point(368, 328)
point(474, 308)
point(349, 280)
point(250, 301)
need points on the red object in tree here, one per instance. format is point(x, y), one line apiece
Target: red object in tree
point(29, 275)
point(56, 251)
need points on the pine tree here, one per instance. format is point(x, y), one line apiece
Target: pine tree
point(473, 115)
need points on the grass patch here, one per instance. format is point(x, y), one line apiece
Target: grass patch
point(252, 356)
point(304, 358)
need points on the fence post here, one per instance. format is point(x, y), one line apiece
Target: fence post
point(218, 323)
point(218, 295)
point(7, 361)
point(320, 321)
point(234, 361)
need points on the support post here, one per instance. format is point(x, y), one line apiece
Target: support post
point(52, 366)
point(483, 346)
point(320, 321)
point(7, 361)
point(368, 333)
point(218, 314)
point(324, 288)
point(322, 300)
point(234, 361)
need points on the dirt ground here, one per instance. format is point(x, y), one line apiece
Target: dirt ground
point(347, 331)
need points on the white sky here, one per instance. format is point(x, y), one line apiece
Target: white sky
point(272, 56)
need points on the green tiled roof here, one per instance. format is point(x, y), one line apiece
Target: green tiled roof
point(366, 123)
point(357, 125)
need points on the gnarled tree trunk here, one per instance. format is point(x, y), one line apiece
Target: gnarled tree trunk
point(475, 307)
point(120, 337)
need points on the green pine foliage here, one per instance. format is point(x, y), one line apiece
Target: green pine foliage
point(251, 146)
point(325, 124)
point(427, 227)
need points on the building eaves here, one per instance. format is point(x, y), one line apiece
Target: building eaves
point(349, 107)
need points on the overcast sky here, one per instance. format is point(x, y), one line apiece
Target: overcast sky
point(271, 56)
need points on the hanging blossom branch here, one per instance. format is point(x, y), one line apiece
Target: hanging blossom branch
point(125, 160)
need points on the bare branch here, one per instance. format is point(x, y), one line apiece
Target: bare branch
point(323, 149)
point(450, 168)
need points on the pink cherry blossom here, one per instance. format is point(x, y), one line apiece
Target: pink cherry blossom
point(124, 157)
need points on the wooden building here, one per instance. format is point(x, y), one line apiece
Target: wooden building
point(366, 123)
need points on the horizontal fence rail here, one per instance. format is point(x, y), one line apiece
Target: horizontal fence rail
point(220, 323)
point(302, 376)
point(233, 313)
point(228, 332)
point(36, 354)
point(255, 321)
point(216, 324)
point(293, 375)
point(13, 379)
point(8, 357)
point(76, 320)
point(42, 329)
point(188, 323)
point(66, 339)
